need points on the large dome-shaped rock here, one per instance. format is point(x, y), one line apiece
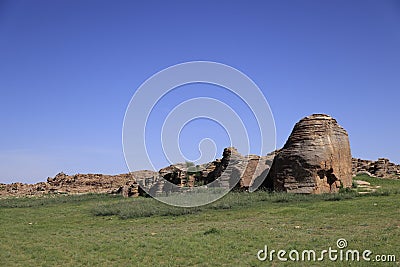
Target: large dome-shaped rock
point(315, 159)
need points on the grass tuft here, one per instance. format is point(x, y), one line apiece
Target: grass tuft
point(212, 231)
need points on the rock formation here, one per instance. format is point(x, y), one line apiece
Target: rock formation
point(315, 159)
point(62, 183)
point(381, 168)
point(88, 183)
point(232, 170)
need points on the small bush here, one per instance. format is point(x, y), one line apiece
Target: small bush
point(212, 231)
point(344, 190)
point(340, 196)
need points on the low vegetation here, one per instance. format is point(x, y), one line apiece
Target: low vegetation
point(109, 230)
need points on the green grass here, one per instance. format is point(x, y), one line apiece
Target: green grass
point(52, 199)
point(107, 230)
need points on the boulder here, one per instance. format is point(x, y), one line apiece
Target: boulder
point(315, 159)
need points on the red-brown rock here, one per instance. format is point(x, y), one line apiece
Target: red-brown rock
point(315, 159)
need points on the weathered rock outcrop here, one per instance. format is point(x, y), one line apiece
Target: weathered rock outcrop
point(227, 171)
point(76, 184)
point(88, 183)
point(381, 168)
point(315, 159)
point(232, 170)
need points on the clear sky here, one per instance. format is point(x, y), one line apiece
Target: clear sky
point(69, 68)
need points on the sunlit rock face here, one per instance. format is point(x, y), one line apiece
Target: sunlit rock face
point(315, 159)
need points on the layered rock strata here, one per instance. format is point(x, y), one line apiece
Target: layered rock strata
point(381, 168)
point(315, 159)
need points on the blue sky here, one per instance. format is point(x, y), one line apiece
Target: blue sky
point(69, 68)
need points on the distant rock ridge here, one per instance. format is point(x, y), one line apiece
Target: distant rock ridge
point(381, 168)
point(75, 184)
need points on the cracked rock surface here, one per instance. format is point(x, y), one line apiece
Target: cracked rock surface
point(315, 159)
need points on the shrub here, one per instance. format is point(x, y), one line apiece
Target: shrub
point(212, 231)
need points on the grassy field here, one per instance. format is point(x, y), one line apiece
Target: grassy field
point(107, 230)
